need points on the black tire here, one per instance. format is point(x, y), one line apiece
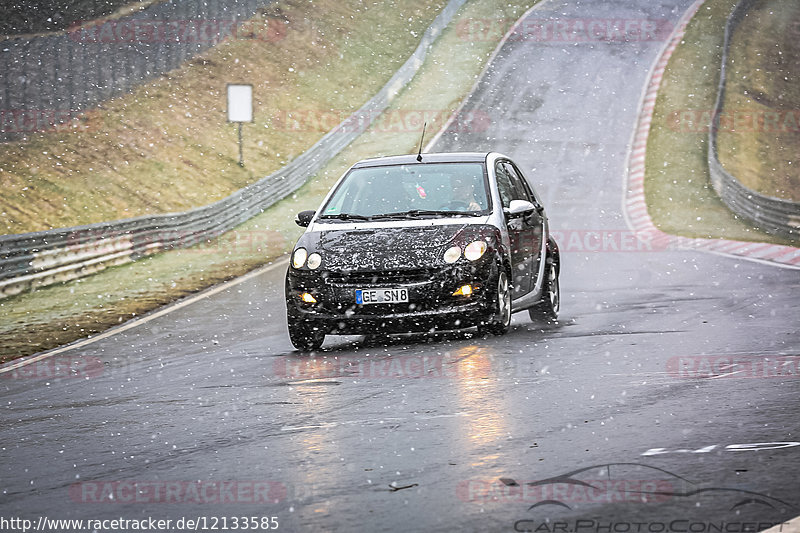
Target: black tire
point(500, 320)
point(305, 336)
point(547, 310)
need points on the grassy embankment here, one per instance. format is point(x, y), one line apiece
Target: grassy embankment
point(62, 313)
point(680, 198)
point(759, 143)
point(168, 147)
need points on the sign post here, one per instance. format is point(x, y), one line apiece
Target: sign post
point(240, 109)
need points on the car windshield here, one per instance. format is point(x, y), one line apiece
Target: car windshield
point(415, 190)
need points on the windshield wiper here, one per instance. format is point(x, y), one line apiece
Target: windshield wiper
point(345, 216)
point(414, 213)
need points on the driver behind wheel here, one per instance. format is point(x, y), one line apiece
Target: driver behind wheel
point(463, 194)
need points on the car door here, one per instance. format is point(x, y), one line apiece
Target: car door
point(521, 229)
point(533, 222)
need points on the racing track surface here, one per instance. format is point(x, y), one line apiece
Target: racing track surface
point(213, 392)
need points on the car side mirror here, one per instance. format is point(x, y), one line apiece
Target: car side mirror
point(303, 218)
point(519, 207)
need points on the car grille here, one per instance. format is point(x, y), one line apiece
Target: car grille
point(367, 279)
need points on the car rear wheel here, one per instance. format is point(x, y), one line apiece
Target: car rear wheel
point(500, 320)
point(306, 336)
point(547, 310)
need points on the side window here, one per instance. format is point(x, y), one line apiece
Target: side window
point(521, 191)
point(504, 185)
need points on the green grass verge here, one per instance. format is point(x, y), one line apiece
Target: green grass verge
point(58, 314)
point(168, 147)
point(759, 142)
point(680, 197)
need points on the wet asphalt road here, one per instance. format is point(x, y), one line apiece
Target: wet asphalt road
point(211, 404)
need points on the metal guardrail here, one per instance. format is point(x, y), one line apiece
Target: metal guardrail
point(49, 79)
point(31, 260)
point(773, 215)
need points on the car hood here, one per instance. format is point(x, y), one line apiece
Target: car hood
point(375, 248)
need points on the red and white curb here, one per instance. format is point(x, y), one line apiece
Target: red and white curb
point(634, 207)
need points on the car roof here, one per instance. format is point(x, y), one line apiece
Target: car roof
point(443, 157)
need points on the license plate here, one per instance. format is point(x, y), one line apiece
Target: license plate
point(381, 296)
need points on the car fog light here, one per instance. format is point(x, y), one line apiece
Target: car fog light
point(452, 254)
point(464, 290)
point(308, 298)
point(314, 260)
point(475, 250)
point(299, 258)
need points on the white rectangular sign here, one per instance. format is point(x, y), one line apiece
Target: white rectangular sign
point(240, 103)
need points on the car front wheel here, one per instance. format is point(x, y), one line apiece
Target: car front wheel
point(500, 320)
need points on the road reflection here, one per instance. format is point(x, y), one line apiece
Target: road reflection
point(478, 391)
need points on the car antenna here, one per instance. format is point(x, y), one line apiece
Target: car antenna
point(419, 154)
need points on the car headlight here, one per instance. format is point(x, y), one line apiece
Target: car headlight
point(475, 250)
point(299, 258)
point(452, 254)
point(314, 260)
